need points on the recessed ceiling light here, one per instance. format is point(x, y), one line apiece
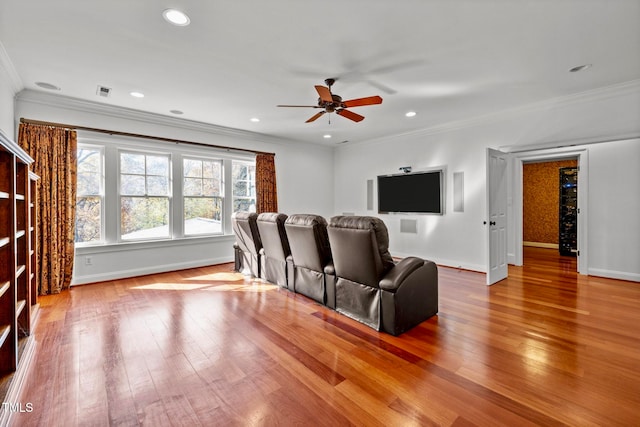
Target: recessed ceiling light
point(579, 68)
point(410, 114)
point(48, 86)
point(255, 119)
point(176, 17)
point(327, 136)
point(137, 94)
point(178, 112)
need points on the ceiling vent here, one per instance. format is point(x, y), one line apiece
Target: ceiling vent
point(103, 91)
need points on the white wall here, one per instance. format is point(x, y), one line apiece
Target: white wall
point(614, 210)
point(6, 102)
point(304, 179)
point(458, 239)
point(451, 239)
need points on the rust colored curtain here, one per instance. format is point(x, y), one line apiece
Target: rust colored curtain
point(54, 152)
point(266, 192)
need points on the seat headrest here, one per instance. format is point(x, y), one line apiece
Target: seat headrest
point(359, 222)
point(308, 220)
point(245, 216)
point(368, 223)
point(272, 217)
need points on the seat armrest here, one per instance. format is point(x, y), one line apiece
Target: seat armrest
point(392, 280)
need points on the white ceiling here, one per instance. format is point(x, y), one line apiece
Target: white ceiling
point(447, 60)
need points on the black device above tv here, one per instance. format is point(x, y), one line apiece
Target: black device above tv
point(416, 192)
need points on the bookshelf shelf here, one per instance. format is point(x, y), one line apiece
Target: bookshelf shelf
point(17, 257)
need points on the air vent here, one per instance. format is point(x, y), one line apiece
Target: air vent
point(103, 91)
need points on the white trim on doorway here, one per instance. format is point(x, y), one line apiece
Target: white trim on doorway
point(519, 158)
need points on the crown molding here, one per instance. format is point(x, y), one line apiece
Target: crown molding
point(12, 146)
point(7, 65)
point(599, 94)
point(61, 101)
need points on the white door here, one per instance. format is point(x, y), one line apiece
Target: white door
point(497, 268)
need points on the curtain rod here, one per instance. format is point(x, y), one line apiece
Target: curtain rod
point(137, 135)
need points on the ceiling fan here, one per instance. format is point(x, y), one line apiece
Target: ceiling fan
point(332, 103)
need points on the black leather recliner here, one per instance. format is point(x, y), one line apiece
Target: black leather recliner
point(248, 244)
point(275, 249)
point(370, 287)
point(311, 254)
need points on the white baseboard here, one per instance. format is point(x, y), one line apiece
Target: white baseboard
point(123, 274)
point(612, 274)
point(541, 245)
point(448, 263)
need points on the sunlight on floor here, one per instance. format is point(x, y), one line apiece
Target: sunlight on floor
point(222, 287)
point(171, 286)
point(220, 277)
point(253, 287)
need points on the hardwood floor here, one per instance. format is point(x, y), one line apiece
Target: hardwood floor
point(207, 347)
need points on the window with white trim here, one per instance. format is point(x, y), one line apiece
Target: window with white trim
point(90, 195)
point(203, 196)
point(145, 190)
point(244, 186)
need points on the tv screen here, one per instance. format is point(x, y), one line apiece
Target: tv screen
point(418, 192)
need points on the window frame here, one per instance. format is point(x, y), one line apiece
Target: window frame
point(221, 197)
point(101, 194)
point(110, 214)
point(233, 196)
point(169, 196)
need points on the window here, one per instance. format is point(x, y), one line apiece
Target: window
point(144, 196)
point(90, 195)
point(203, 196)
point(126, 192)
point(244, 186)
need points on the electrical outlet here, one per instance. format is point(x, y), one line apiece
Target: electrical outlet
point(88, 261)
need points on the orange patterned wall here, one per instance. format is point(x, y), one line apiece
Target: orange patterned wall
point(540, 183)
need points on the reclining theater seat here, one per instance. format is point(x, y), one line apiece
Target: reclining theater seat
point(275, 249)
point(311, 254)
point(248, 243)
point(372, 289)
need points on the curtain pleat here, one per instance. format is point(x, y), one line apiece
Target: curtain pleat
point(266, 191)
point(54, 152)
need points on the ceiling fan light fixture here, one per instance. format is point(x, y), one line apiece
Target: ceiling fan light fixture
point(176, 17)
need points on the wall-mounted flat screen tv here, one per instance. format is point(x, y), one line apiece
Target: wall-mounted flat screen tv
point(417, 192)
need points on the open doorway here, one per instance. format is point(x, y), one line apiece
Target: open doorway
point(520, 159)
point(549, 208)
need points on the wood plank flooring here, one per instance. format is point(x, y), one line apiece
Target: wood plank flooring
point(209, 347)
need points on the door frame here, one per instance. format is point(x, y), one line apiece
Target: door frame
point(519, 159)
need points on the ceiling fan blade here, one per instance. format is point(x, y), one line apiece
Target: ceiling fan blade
point(350, 115)
point(325, 93)
point(370, 100)
point(315, 117)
